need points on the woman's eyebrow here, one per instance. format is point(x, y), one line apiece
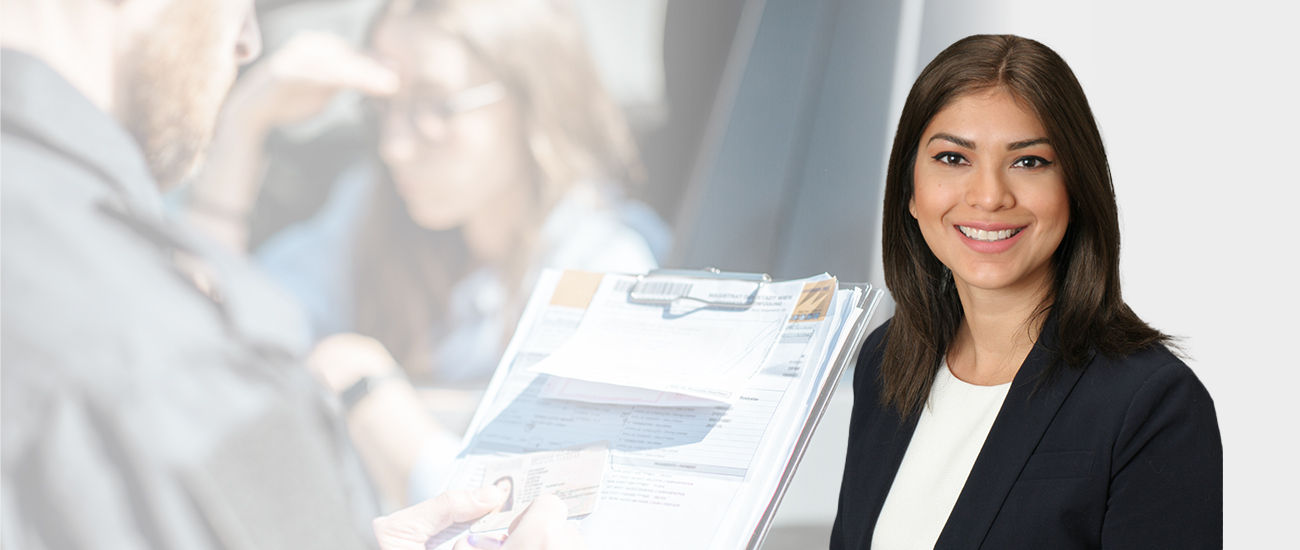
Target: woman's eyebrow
point(1027, 143)
point(949, 137)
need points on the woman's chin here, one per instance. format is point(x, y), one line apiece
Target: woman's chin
point(1006, 278)
point(435, 219)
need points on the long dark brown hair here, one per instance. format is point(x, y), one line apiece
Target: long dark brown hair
point(1085, 296)
point(573, 132)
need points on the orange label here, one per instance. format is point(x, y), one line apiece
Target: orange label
point(576, 289)
point(814, 301)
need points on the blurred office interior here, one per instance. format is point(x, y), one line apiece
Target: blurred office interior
point(765, 126)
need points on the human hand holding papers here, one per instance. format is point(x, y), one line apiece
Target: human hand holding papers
point(572, 474)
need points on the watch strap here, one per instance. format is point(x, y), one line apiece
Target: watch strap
point(363, 387)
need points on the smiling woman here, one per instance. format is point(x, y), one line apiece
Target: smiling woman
point(1014, 400)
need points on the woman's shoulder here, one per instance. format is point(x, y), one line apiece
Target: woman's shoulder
point(1144, 393)
point(1150, 368)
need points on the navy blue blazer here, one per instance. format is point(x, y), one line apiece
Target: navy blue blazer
point(1124, 453)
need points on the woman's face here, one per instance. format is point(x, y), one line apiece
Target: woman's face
point(448, 165)
point(989, 195)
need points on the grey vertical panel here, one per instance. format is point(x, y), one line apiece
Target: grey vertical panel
point(792, 181)
point(832, 225)
point(740, 200)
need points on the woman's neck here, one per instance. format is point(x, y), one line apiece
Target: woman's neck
point(998, 329)
point(491, 234)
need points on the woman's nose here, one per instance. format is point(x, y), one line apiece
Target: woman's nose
point(397, 144)
point(432, 128)
point(989, 190)
point(249, 44)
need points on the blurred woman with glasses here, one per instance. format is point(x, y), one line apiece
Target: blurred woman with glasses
point(499, 154)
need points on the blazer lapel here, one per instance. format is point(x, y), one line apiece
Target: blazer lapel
point(1025, 415)
point(888, 440)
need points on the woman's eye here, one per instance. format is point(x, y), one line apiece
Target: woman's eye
point(951, 159)
point(1031, 162)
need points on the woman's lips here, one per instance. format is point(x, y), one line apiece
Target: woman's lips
point(990, 240)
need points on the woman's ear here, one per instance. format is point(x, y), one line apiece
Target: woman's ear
point(911, 206)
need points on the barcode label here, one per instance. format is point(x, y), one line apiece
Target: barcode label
point(663, 289)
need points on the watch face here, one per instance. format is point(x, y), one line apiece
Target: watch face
point(355, 393)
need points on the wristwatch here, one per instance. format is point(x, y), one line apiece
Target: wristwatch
point(362, 387)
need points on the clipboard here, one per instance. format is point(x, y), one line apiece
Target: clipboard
point(513, 415)
point(649, 291)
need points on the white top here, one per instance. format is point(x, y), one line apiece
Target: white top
point(949, 435)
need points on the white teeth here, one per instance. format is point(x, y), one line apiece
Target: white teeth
point(988, 236)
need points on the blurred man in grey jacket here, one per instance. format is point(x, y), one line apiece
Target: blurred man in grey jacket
point(153, 395)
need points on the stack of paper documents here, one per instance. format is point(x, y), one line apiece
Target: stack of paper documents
point(698, 403)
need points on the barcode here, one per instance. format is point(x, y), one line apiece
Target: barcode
point(665, 289)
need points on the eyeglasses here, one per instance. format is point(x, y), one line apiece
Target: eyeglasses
point(425, 115)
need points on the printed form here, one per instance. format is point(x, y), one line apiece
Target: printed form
point(681, 471)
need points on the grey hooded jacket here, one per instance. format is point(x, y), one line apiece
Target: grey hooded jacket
point(153, 395)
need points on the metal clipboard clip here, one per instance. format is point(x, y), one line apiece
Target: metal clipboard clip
point(651, 289)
